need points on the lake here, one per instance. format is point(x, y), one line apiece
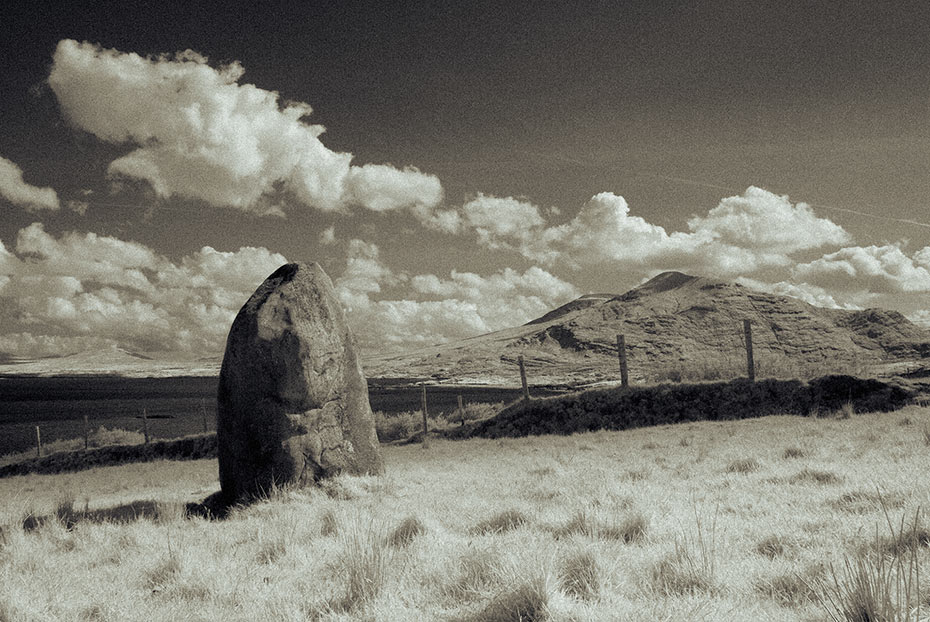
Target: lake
point(174, 406)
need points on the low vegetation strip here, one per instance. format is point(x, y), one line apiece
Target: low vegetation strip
point(633, 407)
point(188, 448)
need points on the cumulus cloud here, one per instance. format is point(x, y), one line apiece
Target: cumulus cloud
point(363, 275)
point(811, 294)
point(740, 235)
point(500, 220)
point(920, 317)
point(440, 309)
point(878, 269)
point(14, 189)
point(199, 133)
point(760, 219)
point(76, 291)
point(328, 236)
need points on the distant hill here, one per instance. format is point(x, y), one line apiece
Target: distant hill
point(675, 326)
point(110, 361)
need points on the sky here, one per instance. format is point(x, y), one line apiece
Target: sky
point(455, 168)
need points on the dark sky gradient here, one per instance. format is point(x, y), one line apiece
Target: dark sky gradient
point(826, 101)
point(673, 105)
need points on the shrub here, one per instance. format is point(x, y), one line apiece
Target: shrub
point(620, 409)
point(397, 427)
point(477, 411)
point(104, 437)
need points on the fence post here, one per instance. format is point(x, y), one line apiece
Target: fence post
point(461, 409)
point(145, 426)
point(621, 352)
point(203, 412)
point(86, 434)
point(750, 365)
point(526, 391)
point(38, 443)
point(425, 425)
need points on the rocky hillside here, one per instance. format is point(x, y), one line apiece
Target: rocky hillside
point(675, 327)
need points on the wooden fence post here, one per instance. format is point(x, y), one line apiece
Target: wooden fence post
point(38, 443)
point(750, 365)
point(425, 425)
point(461, 409)
point(526, 391)
point(621, 352)
point(145, 426)
point(86, 434)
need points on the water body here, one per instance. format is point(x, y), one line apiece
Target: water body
point(174, 406)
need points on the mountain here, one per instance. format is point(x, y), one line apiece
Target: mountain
point(675, 326)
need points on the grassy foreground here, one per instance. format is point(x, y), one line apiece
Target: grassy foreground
point(777, 518)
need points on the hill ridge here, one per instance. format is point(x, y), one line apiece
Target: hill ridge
point(675, 326)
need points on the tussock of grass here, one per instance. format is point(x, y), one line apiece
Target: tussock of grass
point(364, 564)
point(743, 465)
point(527, 602)
point(500, 522)
point(862, 501)
point(793, 452)
point(632, 528)
point(692, 567)
point(874, 586)
point(791, 589)
point(271, 548)
point(903, 542)
point(680, 574)
point(329, 526)
point(772, 547)
point(406, 532)
point(163, 573)
point(478, 571)
point(814, 476)
point(579, 576)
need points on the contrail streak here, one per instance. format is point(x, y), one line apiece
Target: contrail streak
point(847, 210)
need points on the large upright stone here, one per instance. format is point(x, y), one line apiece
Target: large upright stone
point(292, 401)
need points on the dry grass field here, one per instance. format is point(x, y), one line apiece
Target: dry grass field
point(779, 518)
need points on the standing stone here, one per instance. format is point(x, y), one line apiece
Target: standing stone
point(292, 405)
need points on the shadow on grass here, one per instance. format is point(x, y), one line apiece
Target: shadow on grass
point(214, 507)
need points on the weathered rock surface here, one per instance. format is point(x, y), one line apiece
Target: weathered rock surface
point(292, 401)
point(676, 326)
